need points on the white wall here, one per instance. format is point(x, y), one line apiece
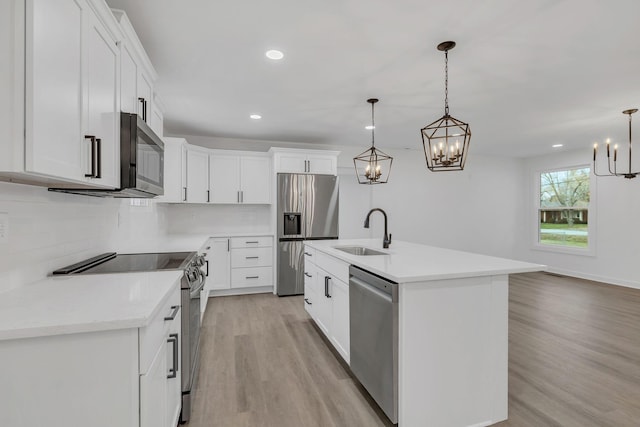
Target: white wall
point(616, 212)
point(218, 219)
point(50, 230)
point(476, 210)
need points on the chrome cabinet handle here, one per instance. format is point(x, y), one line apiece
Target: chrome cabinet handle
point(228, 244)
point(208, 196)
point(253, 242)
point(252, 277)
point(251, 257)
point(92, 139)
point(173, 372)
point(207, 263)
point(308, 254)
point(185, 194)
point(173, 314)
point(307, 301)
point(307, 274)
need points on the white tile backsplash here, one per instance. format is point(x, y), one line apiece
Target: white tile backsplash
point(219, 219)
point(49, 230)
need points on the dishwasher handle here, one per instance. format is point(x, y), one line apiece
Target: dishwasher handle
point(356, 281)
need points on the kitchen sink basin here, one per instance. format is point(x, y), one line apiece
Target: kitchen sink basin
point(358, 250)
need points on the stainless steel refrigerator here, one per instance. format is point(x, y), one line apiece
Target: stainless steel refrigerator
point(307, 210)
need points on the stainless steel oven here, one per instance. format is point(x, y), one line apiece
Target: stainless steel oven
point(191, 284)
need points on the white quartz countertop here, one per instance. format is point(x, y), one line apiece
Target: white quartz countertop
point(90, 303)
point(410, 262)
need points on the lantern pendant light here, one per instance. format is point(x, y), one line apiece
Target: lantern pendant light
point(614, 171)
point(372, 166)
point(446, 141)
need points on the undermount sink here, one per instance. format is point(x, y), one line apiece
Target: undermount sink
point(358, 250)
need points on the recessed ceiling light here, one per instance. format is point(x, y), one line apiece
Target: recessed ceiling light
point(274, 54)
point(556, 145)
point(255, 116)
point(369, 127)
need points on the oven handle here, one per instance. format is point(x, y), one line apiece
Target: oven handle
point(195, 292)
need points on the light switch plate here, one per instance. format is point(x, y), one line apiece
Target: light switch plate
point(4, 227)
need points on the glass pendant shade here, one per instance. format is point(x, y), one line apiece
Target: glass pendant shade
point(446, 140)
point(372, 165)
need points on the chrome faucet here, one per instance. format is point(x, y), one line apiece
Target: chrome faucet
point(387, 237)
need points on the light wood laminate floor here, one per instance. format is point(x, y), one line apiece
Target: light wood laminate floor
point(574, 360)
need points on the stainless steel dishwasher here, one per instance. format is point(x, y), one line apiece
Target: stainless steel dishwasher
point(373, 322)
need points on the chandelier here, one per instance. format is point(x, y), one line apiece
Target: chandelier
point(614, 171)
point(446, 141)
point(372, 166)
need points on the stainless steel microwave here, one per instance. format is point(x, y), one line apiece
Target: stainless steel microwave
point(141, 163)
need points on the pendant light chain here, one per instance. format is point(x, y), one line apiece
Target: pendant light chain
point(446, 82)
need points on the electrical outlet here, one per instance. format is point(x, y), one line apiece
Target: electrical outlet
point(4, 227)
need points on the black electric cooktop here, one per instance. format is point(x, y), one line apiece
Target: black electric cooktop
point(112, 262)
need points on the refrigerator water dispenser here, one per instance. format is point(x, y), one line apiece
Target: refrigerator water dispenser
point(292, 223)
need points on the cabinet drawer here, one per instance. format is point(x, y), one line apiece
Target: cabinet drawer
point(252, 257)
point(154, 335)
point(251, 242)
point(337, 268)
point(252, 276)
point(309, 254)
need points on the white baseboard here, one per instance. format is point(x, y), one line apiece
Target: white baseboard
point(595, 277)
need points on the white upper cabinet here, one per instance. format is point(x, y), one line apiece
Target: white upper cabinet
point(255, 179)
point(175, 179)
point(224, 178)
point(102, 100)
point(305, 161)
point(197, 187)
point(138, 75)
point(239, 179)
point(61, 81)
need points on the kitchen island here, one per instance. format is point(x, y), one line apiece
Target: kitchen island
point(452, 325)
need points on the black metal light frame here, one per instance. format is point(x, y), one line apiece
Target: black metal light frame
point(372, 165)
point(614, 171)
point(446, 140)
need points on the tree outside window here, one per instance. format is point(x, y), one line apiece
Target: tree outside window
point(563, 212)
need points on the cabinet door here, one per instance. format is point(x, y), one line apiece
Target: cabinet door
point(153, 392)
point(339, 292)
point(255, 180)
point(145, 93)
point(128, 81)
point(54, 89)
point(321, 164)
point(323, 312)
point(173, 166)
point(293, 163)
point(174, 386)
point(157, 119)
point(219, 264)
point(197, 176)
point(102, 59)
point(224, 178)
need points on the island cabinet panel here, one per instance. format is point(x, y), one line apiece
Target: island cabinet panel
point(453, 337)
point(329, 297)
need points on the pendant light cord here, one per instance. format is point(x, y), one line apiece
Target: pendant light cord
point(446, 82)
point(373, 127)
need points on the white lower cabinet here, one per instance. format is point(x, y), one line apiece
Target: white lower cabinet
point(238, 264)
point(122, 377)
point(327, 297)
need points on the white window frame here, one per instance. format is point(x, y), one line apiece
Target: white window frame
point(590, 250)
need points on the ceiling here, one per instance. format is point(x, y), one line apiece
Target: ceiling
point(524, 75)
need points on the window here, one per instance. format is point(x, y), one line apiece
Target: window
point(563, 208)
